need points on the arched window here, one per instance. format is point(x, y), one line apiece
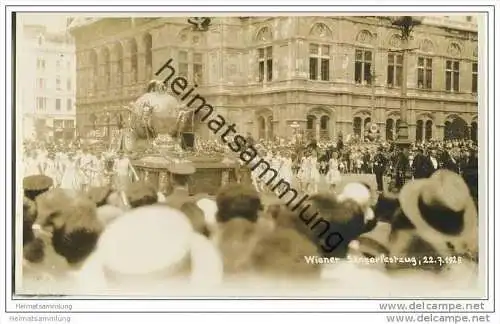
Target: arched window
point(396, 130)
point(134, 61)
point(356, 126)
point(311, 126)
point(366, 124)
point(447, 130)
point(95, 70)
point(389, 129)
point(148, 48)
point(473, 134)
point(428, 130)
point(262, 127)
point(456, 129)
point(270, 128)
point(119, 64)
point(325, 127)
point(419, 136)
point(106, 67)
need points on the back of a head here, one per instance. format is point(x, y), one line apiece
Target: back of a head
point(73, 220)
point(141, 194)
point(236, 240)
point(283, 253)
point(238, 200)
point(337, 223)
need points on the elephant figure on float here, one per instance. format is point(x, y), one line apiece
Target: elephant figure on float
point(158, 113)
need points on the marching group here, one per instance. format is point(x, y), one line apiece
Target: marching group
point(88, 236)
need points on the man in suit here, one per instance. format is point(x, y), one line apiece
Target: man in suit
point(379, 166)
point(422, 165)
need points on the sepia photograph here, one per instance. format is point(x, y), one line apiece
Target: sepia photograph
point(249, 155)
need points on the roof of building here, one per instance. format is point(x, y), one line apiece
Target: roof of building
point(78, 22)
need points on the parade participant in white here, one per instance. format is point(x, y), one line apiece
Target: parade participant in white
point(333, 176)
point(50, 169)
point(124, 172)
point(71, 178)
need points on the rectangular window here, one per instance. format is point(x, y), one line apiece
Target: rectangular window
point(183, 64)
point(265, 59)
point(69, 104)
point(58, 123)
point(362, 66)
point(424, 73)
point(394, 70)
point(41, 103)
point(58, 104)
point(41, 83)
point(319, 62)
point(452, 75)
point(68, 84)
point(40, 63)
point(474, 77)
point(58, 83)
point(198, 68)
point(69, 123)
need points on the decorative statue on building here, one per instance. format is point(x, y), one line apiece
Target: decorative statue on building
point(372, 132)
point(200, 23)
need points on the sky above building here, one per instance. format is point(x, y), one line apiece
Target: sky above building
point(53, 22)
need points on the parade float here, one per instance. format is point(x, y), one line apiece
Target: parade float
point(161, 133)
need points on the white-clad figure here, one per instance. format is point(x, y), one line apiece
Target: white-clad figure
point(333, 177)
point(86, 168)
point(71, 178)
point(50, 169)
point(61, 160)
point(304, 173)
point(286, 172)
point(31, 165)
point(124, 172)
point(97, 179)
point(315, 176)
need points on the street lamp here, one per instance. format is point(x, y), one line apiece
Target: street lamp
point(405, 24)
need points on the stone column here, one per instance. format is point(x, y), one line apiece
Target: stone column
point(127, 64)
point(141, 58)
point(318, 127)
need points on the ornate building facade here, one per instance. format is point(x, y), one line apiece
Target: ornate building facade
point(45, 60)
point(279, 75)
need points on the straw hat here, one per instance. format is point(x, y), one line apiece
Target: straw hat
point(153, 242)
point(443, 212)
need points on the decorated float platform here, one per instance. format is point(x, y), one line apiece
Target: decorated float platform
point(212, 170)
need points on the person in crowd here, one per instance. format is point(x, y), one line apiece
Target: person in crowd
point(36, 185)
point(71, 178)
point(238, 201)
point(179, 180)
point(471, 174)
point(164, 256)
point(433, 232)
point(67, 223)
point(333, 176)
point(422, 166)
point(124, 172)
point(379, 168)
point(49, 168)
point(402, 166)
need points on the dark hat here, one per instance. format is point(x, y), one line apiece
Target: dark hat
point(182, 168)
point(37, 183)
